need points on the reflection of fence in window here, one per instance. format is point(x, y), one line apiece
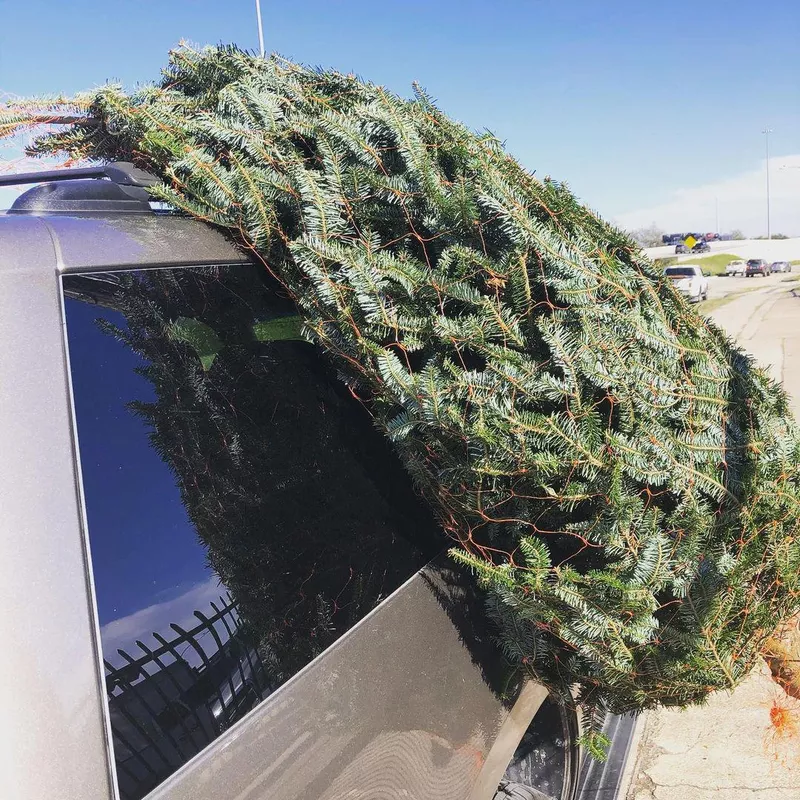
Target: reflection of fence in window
point(169, 700)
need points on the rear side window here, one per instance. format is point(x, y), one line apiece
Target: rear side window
point(242, 511)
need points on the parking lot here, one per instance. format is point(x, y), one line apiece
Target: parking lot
point(720, 286)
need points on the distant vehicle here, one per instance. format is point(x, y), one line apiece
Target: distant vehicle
point(680, 238)
point(756, 266)
point(689, 280)
point(780, 266)
point(681, 248)
point(735, 268)
point(701, 247)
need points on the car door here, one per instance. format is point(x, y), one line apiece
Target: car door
point(229, 568)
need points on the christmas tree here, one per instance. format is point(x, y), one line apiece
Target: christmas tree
point(621, 478)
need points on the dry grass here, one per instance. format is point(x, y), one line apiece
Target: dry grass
point(782, 653)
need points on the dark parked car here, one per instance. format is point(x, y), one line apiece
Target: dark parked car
point(756, 266)
point(219, 581)
point(701, 247)
point(780, 266)
point(681, 248)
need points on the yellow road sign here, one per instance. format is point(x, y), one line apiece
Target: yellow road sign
point(690, 242)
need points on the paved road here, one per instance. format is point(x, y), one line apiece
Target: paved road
point(721, 285)
point(766, 322)
point(769, 250)
point(726, 750)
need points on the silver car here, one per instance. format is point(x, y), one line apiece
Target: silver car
point(219, 582)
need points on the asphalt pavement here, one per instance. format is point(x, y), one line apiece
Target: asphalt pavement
point(723, 285)
point(766, 323)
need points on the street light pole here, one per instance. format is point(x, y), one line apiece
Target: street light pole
point(716, 215)
point(260, 29)
point(767, 132)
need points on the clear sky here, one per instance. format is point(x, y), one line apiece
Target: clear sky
point(629, 102)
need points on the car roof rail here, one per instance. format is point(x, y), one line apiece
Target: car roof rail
point(123, 173)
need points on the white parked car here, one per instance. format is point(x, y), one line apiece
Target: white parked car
point(736, 268)
point(689, 280)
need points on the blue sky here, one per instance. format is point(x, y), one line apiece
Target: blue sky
point(144, 549)
point(629, 102)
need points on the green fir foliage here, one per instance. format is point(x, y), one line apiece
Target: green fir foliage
point(618, 475)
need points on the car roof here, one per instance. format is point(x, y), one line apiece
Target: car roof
point(70, 244)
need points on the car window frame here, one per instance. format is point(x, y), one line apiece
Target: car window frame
point(218, 743)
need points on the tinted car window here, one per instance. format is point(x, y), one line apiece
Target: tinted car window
point(242, 511)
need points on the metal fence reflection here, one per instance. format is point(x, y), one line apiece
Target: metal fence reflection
point(169, 700)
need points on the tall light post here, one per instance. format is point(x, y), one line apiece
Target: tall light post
point(260, 29)
point(767, 132)
point(716, 215)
